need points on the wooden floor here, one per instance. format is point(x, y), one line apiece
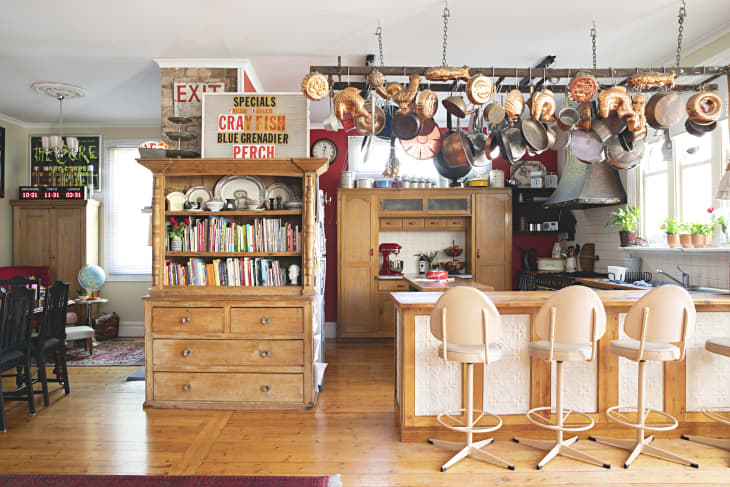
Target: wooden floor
point(102, 428)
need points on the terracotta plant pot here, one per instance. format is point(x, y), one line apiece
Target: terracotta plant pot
point(673, 241)
point(685, 239)
point(699, 240)
point(626, 238)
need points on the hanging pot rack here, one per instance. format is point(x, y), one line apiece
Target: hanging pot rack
point(558, 77)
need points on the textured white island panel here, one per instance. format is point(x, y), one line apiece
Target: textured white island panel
point(707, 372)
point(580, 385)
point(628, 376)
point(507, 384)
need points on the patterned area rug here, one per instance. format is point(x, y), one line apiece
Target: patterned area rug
point(160, 481)
point(118, 351)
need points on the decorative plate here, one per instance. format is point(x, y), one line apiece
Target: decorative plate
point(240, 187)
point(201, 194)
point(281, 190)
point(521, 172)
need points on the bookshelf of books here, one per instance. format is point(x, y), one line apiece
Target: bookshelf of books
point(225, 327)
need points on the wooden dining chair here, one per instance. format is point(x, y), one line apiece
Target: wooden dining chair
point(51, 337)
point(468, 324)
point(15, 336)
point(569, 325)
point(662, 317)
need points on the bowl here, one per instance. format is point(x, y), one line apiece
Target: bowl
point(146, 153)
point(452, 265)
point(453, 251)
point(214, 206)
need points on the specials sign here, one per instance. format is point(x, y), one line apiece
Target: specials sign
point(255, 125)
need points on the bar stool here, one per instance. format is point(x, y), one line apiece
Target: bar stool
point(570, 324)
point(467, 323)
point(721, 346)
point(663, 316)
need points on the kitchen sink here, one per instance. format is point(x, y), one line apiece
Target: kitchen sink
point(707, 290)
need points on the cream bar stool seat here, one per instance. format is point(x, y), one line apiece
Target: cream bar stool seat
point(467, 323)
point(570, 324)
point(720, 346)
point(662, 317)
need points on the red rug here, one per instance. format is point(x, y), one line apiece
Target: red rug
point(118, 351)
point(161, 481)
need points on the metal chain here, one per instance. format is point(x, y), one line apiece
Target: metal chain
point(379, 35)
point(680, 19)
point(446, 16)
point(593, 39)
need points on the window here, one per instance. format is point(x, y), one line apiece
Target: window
point(680, 184)
point(127, 255)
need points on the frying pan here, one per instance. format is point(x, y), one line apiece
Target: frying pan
point(406, 126)
point(621, 158)
point(511, 144)
point(450, 171)
point(664, 110)
point(535, 134)
point(479, 141)
point(587, 147)
point(364, 124)
point(698, 129)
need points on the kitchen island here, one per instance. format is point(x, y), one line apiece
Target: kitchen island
point(417, 282)
point(425, 385)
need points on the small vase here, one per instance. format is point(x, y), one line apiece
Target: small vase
point(685, 239)
point(626, 238)
point(698, 240)
point(175, 244)
point(718, 236)
point(673, 241)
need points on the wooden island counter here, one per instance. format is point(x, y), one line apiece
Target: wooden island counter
point(425, 385)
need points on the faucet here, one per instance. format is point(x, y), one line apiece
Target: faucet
point(685, 277)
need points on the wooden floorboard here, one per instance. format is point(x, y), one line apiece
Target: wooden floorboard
point(101, 428)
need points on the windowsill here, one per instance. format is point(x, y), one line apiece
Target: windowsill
point(129, 278)
point(667, 250)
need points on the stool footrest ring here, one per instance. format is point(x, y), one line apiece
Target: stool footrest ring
point(614, 415)
point(712, 414)
point(469, 428)
point(541, 421)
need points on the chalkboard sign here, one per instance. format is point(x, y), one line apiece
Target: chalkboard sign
point(2, 162)
point(89, 155)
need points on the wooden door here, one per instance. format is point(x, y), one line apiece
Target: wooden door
point(355, 255)
point(493, 240)
point(67, 240)
point(386, 315)
point(31, 236)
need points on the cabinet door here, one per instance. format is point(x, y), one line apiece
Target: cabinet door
point(31, 237)
point(356, 254)
point(493, 242)
point(67, 239)
point(386, 315)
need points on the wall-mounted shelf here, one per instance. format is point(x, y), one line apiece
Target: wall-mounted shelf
point(667, 250)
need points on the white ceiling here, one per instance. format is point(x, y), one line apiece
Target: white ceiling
point(108, 47)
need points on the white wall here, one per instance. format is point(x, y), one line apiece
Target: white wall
point(15, 154)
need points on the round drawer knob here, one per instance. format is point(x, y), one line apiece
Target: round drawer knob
point(186, 353)
point(187, 387)
point(265, 320)
point(266, 388)
point(265, 353)
point(185, 320)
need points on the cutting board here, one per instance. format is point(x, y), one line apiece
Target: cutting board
point(602, 283)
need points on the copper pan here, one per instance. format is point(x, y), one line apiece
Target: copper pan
point(364, 126)
point(426, 144)
point(426, 104)
point(664, 109)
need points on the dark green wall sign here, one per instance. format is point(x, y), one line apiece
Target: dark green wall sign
point(89, 155)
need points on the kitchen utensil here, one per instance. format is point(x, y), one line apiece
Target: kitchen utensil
point(562, 139)
point(426, 144)
point(446, 73)
point(512, 145)
point(386, 250)
point(521, 172)
point(279, 190)
point(551, 180)
point(633, 276)
point(664, 110)
point(451, 169)
point(406, 126)
point(192, 205)
point(704, 107)
point(543, 106)
point(493, 113)
point(455, 105)
point(552, 136)
point(479, 89)
point(456, 148)
point(621, 158)
point(545, 264)
point(567, 118)
point(292, 205)
point(240, 187)
point(587, 257)
point(347, 179)
point(535, 134)
point(384, 183)
point(363, 124)
point(215, 204)
point(528, 258)
point(175, 201)
point(614, 100)
point(600, 129)
point(364, 183)
point(199, 194)
point(585, 115)
point(315, 86)
point(698, 130)
point(583, 87)
point(496, 178)
point(479, 141)
point(426, 104)
point(616, 273)
point(392, 167)
point(147, 153)
point(395, 266)
point(587, 147)
point(514, 105)
point(615, 124)
point(651, 79)
point(349, 101)
point(571, 264)
point(557, 250)
point(230, 204)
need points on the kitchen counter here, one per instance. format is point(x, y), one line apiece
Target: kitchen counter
point(417, 282)
point(425, 385)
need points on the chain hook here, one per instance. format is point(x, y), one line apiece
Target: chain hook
point(680, 30)
point(379, 35)
point(446, 16)
point(593, 40)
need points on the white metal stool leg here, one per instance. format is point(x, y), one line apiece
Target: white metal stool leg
point(641, 443)
point(470, 448)
point(560, 446)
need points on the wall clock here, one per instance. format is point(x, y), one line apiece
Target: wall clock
point(325, 148)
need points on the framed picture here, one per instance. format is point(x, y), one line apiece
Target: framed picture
point(90, 150)
point(2, 162)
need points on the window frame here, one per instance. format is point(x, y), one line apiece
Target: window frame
point(109, 146)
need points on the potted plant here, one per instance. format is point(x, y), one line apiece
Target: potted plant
point(672, 228)
point(175, 233)
point(626, 219)
point(700, 231)
point(685, 235)
point(719, 228)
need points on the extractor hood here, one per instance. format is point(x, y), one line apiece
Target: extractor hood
point(584, 186)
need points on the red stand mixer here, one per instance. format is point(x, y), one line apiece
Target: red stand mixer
point(390, 267)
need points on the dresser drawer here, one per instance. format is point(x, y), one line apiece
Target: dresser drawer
point(229, 387)
point(227, 352)
point(187, 320)
point(268, 322)
point(390, 224)
point(436, 223)
point(392, 285)
point(413, 224)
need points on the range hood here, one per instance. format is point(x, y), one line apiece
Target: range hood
point(584, 186)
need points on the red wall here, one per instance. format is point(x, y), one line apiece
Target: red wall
point(329, 181)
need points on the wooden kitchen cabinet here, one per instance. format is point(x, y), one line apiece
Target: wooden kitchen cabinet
point(63, 235)
point(493, 240)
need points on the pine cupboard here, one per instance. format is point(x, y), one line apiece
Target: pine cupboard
point(63, 235)
point(365, 308)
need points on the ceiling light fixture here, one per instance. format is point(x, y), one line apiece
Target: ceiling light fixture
point(55, 143)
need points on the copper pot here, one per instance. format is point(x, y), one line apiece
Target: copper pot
point(479, 89)
point(363, 124)
point(514, 105)
point(585, 114)
point(456, 106)
point(426, 104)
point(704, 107)
point(664, 110)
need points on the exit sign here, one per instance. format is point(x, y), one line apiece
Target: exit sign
point(187, 97)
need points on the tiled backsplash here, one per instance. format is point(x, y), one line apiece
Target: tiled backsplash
point(704, 269)
point(421, 242)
